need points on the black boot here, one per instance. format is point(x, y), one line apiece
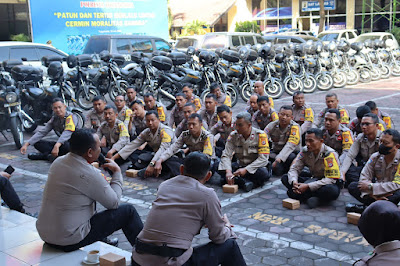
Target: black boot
point(111, 241)
point(37, 156)
point(244, 183)
point(358, 208)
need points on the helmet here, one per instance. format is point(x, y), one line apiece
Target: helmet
point(331, 46)
point(190, 50)
point(205, 57)
point(279, 58)
point(299, 49)
point(265, 50)
point(357, 46)
point(244, 53)
point(72, 61)
point(55, 70)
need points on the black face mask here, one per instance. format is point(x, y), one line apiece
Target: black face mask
point(384, 150)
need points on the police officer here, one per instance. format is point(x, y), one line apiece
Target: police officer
point(355, 123)
point(150, 103)
point(221, 97)
point(381, 115)
point(64, 124)
point(124, 113)
point(323, 182)
point(158, 137)
point(337, 136)
point(363, 147)
point(260, 91)
point(188, 109)
point(252, 106)
point(138, 123)
point(96, 116)
point(209, 113)
point(196, 139)
point(176, 115)
point(131, 96)
point(285, 135)
point(265, 113)
point(223, 128)
point(191, 98)
point(380, 177)
point(112, 133)
point(303, 114)
point(251, 149)
point(332, 102)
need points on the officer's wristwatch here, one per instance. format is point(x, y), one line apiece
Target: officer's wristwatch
point(370, 186)
point(152, 163)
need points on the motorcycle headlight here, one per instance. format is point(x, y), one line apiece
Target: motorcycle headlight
point(11, 97)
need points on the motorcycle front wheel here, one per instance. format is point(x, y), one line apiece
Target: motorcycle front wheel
point(395, 69)
point(385, 71)
point(117, 89)
point(353, 77)
point(28, 125)
point(339, 79)
point(292, 85)
point(17, 131)
point(309, 84)
point(85, 100)
point(273, 88)
point(232, 91)
point(246, 91)
point(365, 75)
point(324, 81)
point(375, 73)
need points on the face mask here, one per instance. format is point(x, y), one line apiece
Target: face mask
point(384, 150)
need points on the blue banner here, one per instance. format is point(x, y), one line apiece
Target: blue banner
point(68, 24)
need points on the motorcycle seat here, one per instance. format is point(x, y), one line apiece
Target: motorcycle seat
point(36, 93)
point(175, 77)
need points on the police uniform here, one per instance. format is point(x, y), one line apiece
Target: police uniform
point(260, 121)
point(175, 117)
point(204, 143)
point(64, 127)
point(196, 101)
point(386, 118)
point(340, 141)
point(209, 120)
point(355, 126)
point(251, 153)
point(250, 110)
point(286, 143)
point(224, 99)
point(116, 137)
point(325, 172)
point(183, 126)
point(304, 116)
point(138, 124)
point(384, 178)
point(162, 112)
point(125, 115)
point(224, 131)
point(361, 150)
point(94, 120)
point(130, 103)
point(344, 117)
point(271, 103)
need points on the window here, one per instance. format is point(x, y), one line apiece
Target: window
point(162, 45)
point(235, 40)
point(184, 43)
point(214, 41)
point(281, 40)
point(123, 46)
point(96, 45)
point(28, 52)
point(48, 52)
point(4, 53)
point(260, 39)
point(249, 40)
point(142, 45)
point(351, 35)
point(294, 40)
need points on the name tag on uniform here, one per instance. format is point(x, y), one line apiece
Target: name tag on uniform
point(331, 167)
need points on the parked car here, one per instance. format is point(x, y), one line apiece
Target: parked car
point(125, 44)
point(336, 35)
point(214, 40)
point(182, 43)
point(284, 39)
point(33, 52)
point(378, 35)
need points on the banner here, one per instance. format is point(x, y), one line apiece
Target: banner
point(68, 25)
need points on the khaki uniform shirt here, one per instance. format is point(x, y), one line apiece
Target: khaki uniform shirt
point(175, 117)
point(196, 101)
point(224, 99)
point(204, 143)
point(385, 254)
point(117, 137)
point(63, 126)
point(304, 116)
point(160, 141)
point(162, 112)
point(323, 175)
point(250, 110)
point(209, 120)
point(138, 124)
point(386, 118)
point(355, 126)
point(182, 207)
point(252, 153)
point(183, 126)
point(260, 121)
point(340, 141)
point(125, 115)
point(387, 175)
point(284, 141)
point(344, 117)
point(361, 146)
point(129, 104)
point(94, 120)
point(223, 130)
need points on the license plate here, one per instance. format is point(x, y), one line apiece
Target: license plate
point(12, 104)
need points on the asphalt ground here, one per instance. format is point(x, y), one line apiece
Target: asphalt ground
point(268, 234)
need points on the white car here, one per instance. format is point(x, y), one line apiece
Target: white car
point(384, 36)
point(337, 35)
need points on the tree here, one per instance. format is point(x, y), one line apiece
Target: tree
point(195, 27)
point(247, 26)
point(321, 16)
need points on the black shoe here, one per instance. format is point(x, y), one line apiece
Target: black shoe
point(244, 183)
point(111, 241)
point(141, 173)
point(313, 202)
point(358, 208)
point(51, 158)
point(37, 156)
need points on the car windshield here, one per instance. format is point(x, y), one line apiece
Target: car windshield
point(96, 45)
point(214, 41)
point(185, 43)
point(328, 36)
point(362, 38)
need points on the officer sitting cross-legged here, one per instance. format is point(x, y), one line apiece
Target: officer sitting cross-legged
point(324, 180)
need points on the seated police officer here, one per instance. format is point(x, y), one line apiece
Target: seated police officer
point(252, 106)
point(332, 102)
point(209, 113)
point(182, 207)
point(64, 124)
point(323, 182)
point(303, 114)
point(361, 150)
point(355, 123)
point(285, 136)
point(251, 149)
point(195, 138)
point(150, 103)
point(96, 116)
point(187, 89)
point(131, 96)
point(123, 111)
point(158, 137)
point(265, 113)
point(176, 115)
point(380, 177)
point(188, 109)
point(138, 119)
point(223, 128)
point(221, 97)
point(381, 115)
point(259, 90)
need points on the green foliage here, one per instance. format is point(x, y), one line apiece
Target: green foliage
point(20, 38)
point(396, 33)
point(247, 26)
point(195, 27)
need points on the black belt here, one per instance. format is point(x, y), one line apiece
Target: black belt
point(163, 251)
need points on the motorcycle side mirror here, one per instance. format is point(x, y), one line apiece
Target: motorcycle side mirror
point(24, 59)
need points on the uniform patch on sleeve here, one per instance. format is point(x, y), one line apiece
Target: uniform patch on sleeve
point(274, 116)
point(381, 127)
point(309, 115)
point(207, 147)
point(271, 102)
point(123, 132)
point(294, 135)
point(263, 146)
point(164, 136)
point(161, 114)
point(128, 114)
point(331, 167)
point(387, 121)
point(228, 101)
point(347, 140)
point(197, 103)
point(397, 175)
point(69, 124)
point(344, 116)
